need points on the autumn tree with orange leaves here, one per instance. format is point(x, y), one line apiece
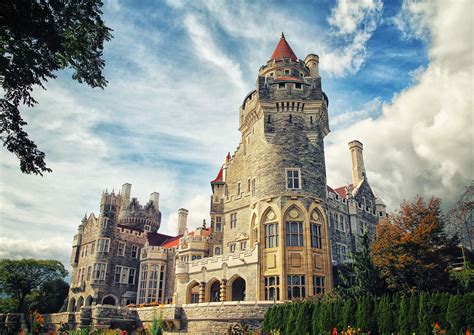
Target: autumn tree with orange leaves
point(411, 249)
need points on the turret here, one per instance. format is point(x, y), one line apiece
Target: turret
point(312, 62)
point(358, 169)
point(126, 188)
point(182, 220)
point(155, 199)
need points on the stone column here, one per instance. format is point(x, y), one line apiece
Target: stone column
point(202, 286)
point(223, 292)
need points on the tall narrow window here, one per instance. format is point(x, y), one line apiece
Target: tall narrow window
point(253, 187)
point(217, 251)
point(272, 288)
point(239, 188)
point(89, 273)
point(121, 249)
point(232, 247)
point(233, 220)
point(294, 233)
point(271, 235)
point(316, 235)
point(134, 251)
point(318, 285)
point(131, 276)
point(218, 223)
point(293, 179)
point(296, 287)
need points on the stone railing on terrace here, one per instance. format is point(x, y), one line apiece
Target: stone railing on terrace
point(215, 262)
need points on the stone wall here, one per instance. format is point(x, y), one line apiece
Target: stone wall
point(217, 317)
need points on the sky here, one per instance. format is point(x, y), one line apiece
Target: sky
point(398, 74)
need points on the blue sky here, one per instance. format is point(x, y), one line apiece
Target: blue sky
point(398, 75)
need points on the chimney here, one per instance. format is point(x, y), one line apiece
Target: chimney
point(358, 169)
point(155, 199)
point(182, 220)
point(126, 188)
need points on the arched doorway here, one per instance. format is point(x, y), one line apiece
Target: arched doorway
point(109, 300)
point(215, 291)
point(89, 301)
point(79, 304)
point(193, 293)
point(72, 305)
point(238, 289)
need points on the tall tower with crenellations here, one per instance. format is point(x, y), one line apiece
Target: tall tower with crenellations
point(268, 206)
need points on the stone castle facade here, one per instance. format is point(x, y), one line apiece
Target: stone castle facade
point(276, 231)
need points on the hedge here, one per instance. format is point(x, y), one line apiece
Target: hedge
point(398, 314)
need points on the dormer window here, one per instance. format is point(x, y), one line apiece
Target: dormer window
point(298, 86)
point(281, 86)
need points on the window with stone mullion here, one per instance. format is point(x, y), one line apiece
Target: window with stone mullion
point(272, 288)
point(296, 287)
point(316, 239)
point(271, 235)
point(294, 233)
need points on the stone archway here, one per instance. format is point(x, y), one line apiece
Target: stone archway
point(238, 288)
point(72, 305)
point(110, 300)
point(213, 291)
point(192, 293)
point(79, 304)
point(88, 301)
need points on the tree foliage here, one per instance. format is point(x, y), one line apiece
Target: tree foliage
point(360, 276)
point(38, 38)
point(397, 313)
point(19, 278)
point(411, 249)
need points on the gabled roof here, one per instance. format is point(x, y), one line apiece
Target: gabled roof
point(340, 191)
point(283, 50)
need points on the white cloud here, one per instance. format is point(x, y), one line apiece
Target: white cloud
point(356, 21)
point(369, 109)
point(423, 141)
point(414, 19)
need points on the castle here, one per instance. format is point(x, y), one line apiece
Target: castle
point(276, 231)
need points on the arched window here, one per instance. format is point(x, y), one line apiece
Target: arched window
point(316, 230)
point(238, 289)
point(294, 227)
point(109, 300)
point(214, 291)
point(217, 251)
point(270, 228)
point(193, 291)
point(79, 304)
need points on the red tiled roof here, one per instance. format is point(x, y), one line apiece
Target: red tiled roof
point(218, 179)
point(283, 50)
point(172, 242)
point(155, 239)
point(340, 191)
point(290, 78)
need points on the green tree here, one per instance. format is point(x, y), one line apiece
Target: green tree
point(38, 38)
point(303, 324)
point(315, 317)
point(50, 296)
point(403, 322)
point(365, 316)
point(384, 315)
point(360, 276)
point(424, 314)
point(348, 314)
point(412, 314)
point(290, 325)
point(19, 278)
point(454, 315)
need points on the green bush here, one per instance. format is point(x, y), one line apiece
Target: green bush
point(416, 313)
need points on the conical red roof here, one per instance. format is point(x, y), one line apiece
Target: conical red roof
point(283, 50)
